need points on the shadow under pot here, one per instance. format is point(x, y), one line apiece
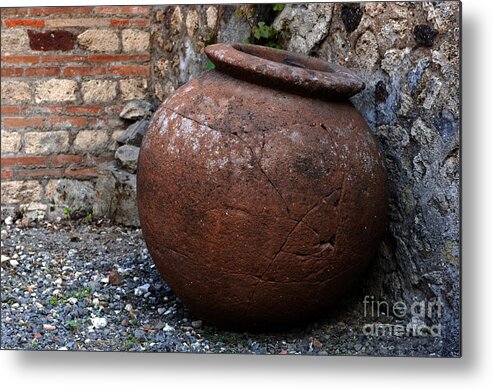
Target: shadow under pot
point(261, 192)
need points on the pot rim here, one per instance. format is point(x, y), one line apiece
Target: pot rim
point(285, 70)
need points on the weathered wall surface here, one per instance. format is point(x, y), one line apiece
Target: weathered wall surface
point(408, 55)
point(66, 74)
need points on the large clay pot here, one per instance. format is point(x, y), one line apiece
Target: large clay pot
point(262, 194)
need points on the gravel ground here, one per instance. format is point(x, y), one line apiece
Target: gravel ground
point(78, 285)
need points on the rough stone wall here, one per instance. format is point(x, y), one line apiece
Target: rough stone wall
point(408, 55)
point(66, 74)
point(61, 99)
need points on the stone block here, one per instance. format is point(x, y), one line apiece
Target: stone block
point(15, 91)
point(115, 195)
point(135, 40)
point(97, 91)
point(127, 156)
point(134, 133)
point(133, 88)
point(49, 142)
point(11, 142)
point(73, 194)
point(23, 192)
point(90, 140)
point(99, 40)
point(14, 40)
point(56, 90)
point(137, 109)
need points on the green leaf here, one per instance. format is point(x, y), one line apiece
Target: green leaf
point(210, 64)
point(211, 40)
point(256, 30)
point(278, 7)
point(275, 45)
point(261, 30)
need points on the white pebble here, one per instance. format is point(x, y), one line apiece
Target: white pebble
point(99, 322)
point(168, 328)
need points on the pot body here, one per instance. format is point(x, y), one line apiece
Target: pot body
point(259, 207)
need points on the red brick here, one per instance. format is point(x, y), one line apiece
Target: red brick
point(71, 172)
point(119, 57)
point(25, 161)
point(25, 23)
point(20, 59)
point(43, 72)
point(129, 70)
point(68, 121)
point(72, 71)
point(67, 159)
point(115, 10)
point(46, 11)
point(61, 58)
point(103, 158)
point(9, 110)
point(84, 110)
point(49, 172)
point(6, 174)
point(116, 109)
point(129, 22)
point(13, 11)
point(12, 72)
point(39, 109)
point(53, 40)
point(17, 122)
point(97, 121)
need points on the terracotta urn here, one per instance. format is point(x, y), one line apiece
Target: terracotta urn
point(261, 192)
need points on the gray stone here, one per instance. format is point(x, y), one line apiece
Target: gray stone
point(136, 110)
point(127, 156)
point(72, 194)
point(307, 24)
point(235, 29)
point(134, 133)
point(197, 324)
point(115, 195)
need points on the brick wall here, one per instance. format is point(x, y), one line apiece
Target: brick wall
point(65, 74)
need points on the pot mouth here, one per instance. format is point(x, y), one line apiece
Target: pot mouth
point(285, 70)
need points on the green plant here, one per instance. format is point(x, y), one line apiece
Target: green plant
point(210, 41)
point(72, 325)
point(264, 34)
point(278, 7)
point(55, 300)
point(210, 64)
point(88, 217)
point(83, 293)
point(261, 30)
point(66, 211)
